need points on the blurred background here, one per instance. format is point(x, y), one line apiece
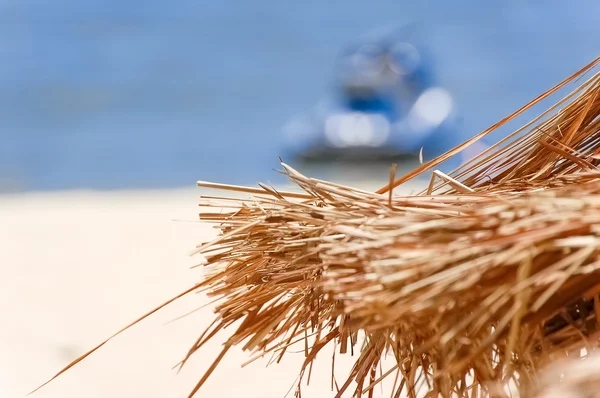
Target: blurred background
point(135, 99)
point(154, 94)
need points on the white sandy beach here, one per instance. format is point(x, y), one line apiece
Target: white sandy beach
point(78, 266)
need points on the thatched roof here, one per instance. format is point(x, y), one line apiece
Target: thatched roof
point(471, 287)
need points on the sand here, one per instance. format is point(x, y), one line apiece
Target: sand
point(77, 266)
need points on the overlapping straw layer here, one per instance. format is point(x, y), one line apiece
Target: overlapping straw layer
point(449, 285)
point(471, 287)
point(474, 288)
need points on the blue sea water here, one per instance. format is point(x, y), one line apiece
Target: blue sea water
point(154, 94)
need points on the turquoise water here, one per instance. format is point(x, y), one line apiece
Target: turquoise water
point(149, 94)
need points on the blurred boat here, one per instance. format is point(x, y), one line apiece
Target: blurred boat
point(385, 106)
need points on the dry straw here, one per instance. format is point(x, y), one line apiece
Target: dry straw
point(470, 287)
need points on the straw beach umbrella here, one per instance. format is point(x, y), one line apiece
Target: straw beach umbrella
point(470, 287)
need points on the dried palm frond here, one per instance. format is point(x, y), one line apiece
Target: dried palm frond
point(470, 287)
point(450, 285)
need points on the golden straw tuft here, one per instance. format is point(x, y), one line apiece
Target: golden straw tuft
point(471, 287)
